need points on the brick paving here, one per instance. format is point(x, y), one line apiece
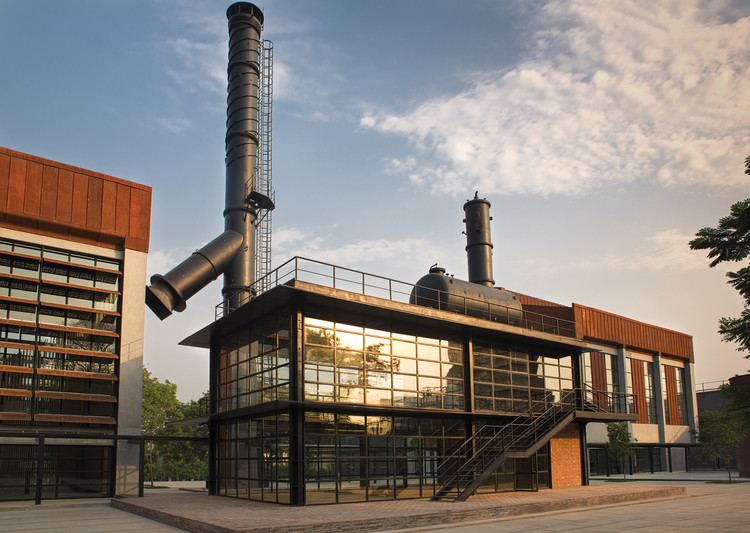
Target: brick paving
point(202, 513)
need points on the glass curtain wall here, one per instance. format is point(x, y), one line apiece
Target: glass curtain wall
point(254, 364)
point(347, 363)
point(253, 459)
point(509, 380)
point(350, 458)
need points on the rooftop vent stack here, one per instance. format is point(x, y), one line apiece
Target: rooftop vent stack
point(478, 241)
point(233, 252)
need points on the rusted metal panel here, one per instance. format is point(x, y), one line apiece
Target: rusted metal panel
point(48, 201)
point(599, 379)
point(94, 203)
point(64, 196)
point(54, 199)
point(109, 206)
point(33, 193)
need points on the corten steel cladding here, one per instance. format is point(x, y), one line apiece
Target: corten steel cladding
point(233, 252)
point(478, 241)
point(243, 133)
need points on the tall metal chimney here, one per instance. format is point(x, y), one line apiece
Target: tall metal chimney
point(242, 141)
point(233, 252)
point(478, 241)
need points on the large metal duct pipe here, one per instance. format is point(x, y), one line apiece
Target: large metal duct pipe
point(169, 292)
point(478, 241)
point(243, 133)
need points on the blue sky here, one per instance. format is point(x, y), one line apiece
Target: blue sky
point(605, 134)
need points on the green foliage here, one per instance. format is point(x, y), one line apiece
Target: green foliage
point(718, 434)
point(740, 401)
point(730, 241)
point(620, 443)
point(176, 459)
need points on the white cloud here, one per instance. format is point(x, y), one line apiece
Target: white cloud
point(174, 125)
point(613, 92)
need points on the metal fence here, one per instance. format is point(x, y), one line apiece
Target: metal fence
point(336, 277)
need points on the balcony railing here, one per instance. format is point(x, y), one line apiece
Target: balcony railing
point(336, 277)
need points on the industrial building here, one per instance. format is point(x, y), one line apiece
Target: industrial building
point(329, 385)
point(73, 247)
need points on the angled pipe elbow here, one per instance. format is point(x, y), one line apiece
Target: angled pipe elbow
point(170, 292)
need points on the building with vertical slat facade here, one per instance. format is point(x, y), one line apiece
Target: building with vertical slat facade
point(73, 247)
point(653, 364)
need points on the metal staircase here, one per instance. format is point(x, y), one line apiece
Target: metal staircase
point(485, 451)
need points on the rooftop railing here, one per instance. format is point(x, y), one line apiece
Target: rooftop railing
point(336, 277)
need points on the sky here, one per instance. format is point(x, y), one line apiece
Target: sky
point(604, 134)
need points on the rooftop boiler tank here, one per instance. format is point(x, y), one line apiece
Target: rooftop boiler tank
point(447, 293)
point(476, 297)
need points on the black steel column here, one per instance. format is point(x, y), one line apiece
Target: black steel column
point(39, 470)
point(141, 465)
point(585, 470)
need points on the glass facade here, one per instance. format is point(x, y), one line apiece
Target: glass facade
point(361, 418)
point(254, 364)
point(509, 380)
point(347, 363)
point(253, 459)
point(350, 458)
point(59, 336)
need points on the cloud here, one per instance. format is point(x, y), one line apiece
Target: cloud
point(174, 125)
point(611, 93)
point(399, 255)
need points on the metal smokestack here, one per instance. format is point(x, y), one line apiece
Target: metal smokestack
point(241, 206)
point(478, 241)
point(233, 252)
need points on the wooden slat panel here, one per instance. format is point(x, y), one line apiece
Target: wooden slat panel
point(15, 417)
point(599, 379)
point(670, 380)
point(75, 419)
point(74, 374)
point(76, 396)
point(16, 393)
point(639, 389)
point(593, 324)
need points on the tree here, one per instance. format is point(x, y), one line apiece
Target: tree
point(620, 444)
point(730, 241)
point(175, 459)
point(718, 434)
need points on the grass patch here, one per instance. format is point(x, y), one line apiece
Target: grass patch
point(727, 482)
point(154, 487)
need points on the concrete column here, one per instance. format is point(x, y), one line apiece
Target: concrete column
point(661, 416)
point(130, 382)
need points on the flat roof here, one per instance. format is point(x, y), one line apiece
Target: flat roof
point(377, 313)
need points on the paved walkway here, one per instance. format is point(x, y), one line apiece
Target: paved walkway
point(697, 506)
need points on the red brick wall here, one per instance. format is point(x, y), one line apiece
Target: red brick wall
point(565, 458)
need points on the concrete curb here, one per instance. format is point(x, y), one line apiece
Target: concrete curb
point(384, 523)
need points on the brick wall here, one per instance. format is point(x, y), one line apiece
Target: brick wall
point(565, 458)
